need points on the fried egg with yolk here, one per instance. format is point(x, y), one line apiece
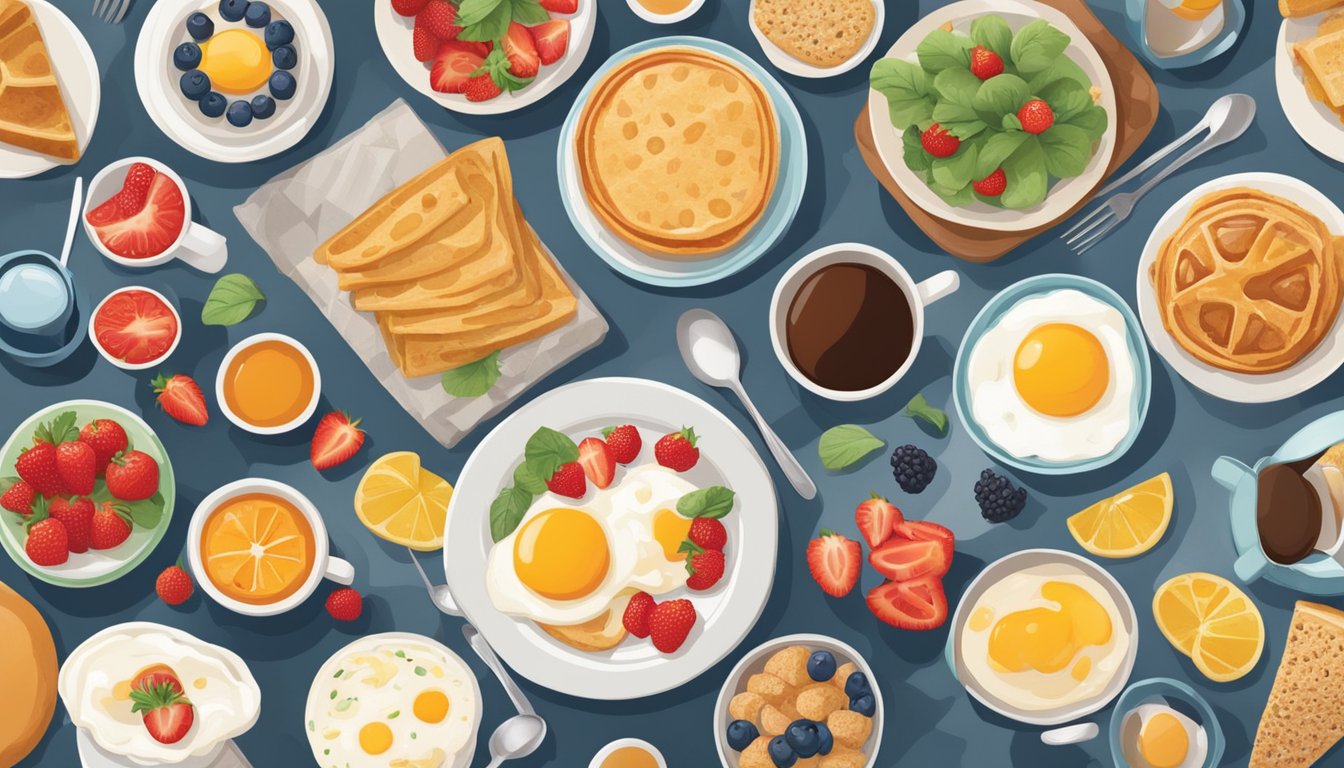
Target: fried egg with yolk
point(237, 61)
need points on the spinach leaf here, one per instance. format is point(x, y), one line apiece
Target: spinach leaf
point(714, 501)
point(1037, 45)
point(1067, 149)
point(943, 49)
point(845, 445)
point(231, 301)
point(1027, 178)
point(906, 86)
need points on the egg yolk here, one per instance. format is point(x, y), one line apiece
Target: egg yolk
point(561, 554)
point(236, 61)
point(375, 738)
point(1046, 639)
point(1061, 369)
point(669, 530)
point(430, 706)
point(1163, 741)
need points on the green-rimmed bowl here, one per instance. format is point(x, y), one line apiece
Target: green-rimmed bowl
point(92, 568)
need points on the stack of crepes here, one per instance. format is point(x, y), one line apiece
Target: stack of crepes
point(449, 266)
point(1322, 57)
point(32, 110)
point(1249, 282)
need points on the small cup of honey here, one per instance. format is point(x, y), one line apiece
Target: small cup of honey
point(628, 753)
point(665, 11)
point(268, 384)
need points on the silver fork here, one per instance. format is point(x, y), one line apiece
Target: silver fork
point(1226, 119)
point(110, 11)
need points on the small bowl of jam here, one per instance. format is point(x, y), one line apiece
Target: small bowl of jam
point(847, 321)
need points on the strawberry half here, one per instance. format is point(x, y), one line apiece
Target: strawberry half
point(335, 440)
point(150, 230)
point(521, 51)
point(834, 562)
point(596, 462)
point(552, 39)
point(919, 604)
point(901, 559)
point(180, 397)
point(923, 530)
point(876, 518)
point(167, 714)
point(454, 66)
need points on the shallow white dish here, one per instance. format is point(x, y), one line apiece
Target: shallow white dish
point(634, 669)
point(787, 63)
point(754, 662)
point(1317, 125)
point(1065, 193)
point(77, 72)
point(665, 18)
point(156, 80)
point(1311, 370)
point(394, 35)
point(122, 364)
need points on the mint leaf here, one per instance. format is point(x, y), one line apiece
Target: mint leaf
point(993, 33)
point(920, 409)
point(906, 87)
point(1093, 120)
point(714, 501)
point(943, 49)
point(507, 511)
point(231, 301)
point(995, 150)
point(1001, 95)
point(472, 379)
point(484, 20)
point(546, 450)
point(1027, 178)
point(472, 12)
point(529, 13)
point(916, 159)
point(1037, 45)
point(1067, 148)
point(845, 445)
point(1067, 99)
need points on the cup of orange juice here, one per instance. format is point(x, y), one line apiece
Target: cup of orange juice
point(259, 548)
point(268, 384)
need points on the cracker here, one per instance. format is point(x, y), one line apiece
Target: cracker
point(825, 34)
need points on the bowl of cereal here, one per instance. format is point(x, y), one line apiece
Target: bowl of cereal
point(799, 697)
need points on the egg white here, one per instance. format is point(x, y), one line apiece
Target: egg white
point(1134, 721)
point(1013, 425)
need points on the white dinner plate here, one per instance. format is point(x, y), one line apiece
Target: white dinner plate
point(1241, 387)
point(786, 62)
point(1066, 193)
point(1312, 120)
point(157, 81)
point(633, 669)
point(77, 72)
point(394, 35)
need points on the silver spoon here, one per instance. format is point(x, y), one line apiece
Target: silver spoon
point(75, 203)
point(519, 736)
point(492, 661)
point(440, 595)
point(710, 351)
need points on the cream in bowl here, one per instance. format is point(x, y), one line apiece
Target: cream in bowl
point(268, 384)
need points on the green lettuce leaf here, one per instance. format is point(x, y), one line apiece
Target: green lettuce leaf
point(1067, 150)
point(907, 88)
point(916, 159)
point(999, 96)
point(1067, 98)
point(1093, 120)
point(993, 33)
point(943, 49)
point(1027, 178)
point(995, 150)
point(1037, 45)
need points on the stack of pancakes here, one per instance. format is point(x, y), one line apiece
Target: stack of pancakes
point(449, 266)
point(32, 111)
point(1322, 61)
point(1249, 282)
point(678, 152)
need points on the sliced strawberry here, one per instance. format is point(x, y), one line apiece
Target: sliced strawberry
point(135, 189)
point(923, 530)
point(167, 714)
point(901, 559)
point(919, 604)
point(876, 518)
point(146, 233)
point(552, 39)
point(834, 562)
point(135, 326)
point(596, 462)
point(521, 51)
point(454, 65)
point(561, 6)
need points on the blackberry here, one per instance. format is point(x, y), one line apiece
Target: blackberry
point(913, 468)
point(999, 500)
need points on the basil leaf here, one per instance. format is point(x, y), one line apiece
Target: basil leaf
point(546, 450)
point(958, 170)
point(916, 159)
point(472, 379)
point(714, 501)
point(845, 445)
point(488, 27)
point(993, 33)
point(1068, 149)
point(231, 301)
point(1037, 45)
point(1067, 99)
point(507, 511)
point(920, 409)
point(471, 12)
point(1093, 120)
point(1027, 178)
point(529, 13)
point(146, 513)
point(1001, 95)
point(528, 480)
point(943, 49)
point(995, 150)
point(907, 88)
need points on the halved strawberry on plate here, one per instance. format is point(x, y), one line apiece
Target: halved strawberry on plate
point(552, 39)
point(135, 326)
point(140, 230)
point(903, 559)
point(923, 530)
point(918, 604)
point(455, 65)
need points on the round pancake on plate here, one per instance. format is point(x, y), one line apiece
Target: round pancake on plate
point(678, 150)
point(28, 664)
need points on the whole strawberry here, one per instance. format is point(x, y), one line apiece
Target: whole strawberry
point(938, 142)
point(345, 604)
point(18, 496)
point(180, 397)
point(107, 438)
point(985, 63)
point(623, 442)
point(77, 465)
point(133, 476)
point(569, 481)
point(1036, 116)
point(677, 450)
point(77, 517)
point(670, 623)
point(408, 7)
point(173, 585)
point(705, 567)
point(992, 185)
point(424, 45)
point(47, 543)
point(637, 613)
point(482, 88)
point(708, 533)
point(109, 528)
point(437, 17)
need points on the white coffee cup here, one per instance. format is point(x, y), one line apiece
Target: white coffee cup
point(197, 245)
point(239, 421)
point(606, 752)
point(324, 566)
point(918, 296)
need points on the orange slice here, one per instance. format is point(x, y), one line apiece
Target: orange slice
point(1128, 523)
point(1208, 619)
point(257, 548)
point(402, 502)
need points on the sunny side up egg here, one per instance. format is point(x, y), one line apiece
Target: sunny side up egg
point(1054, 378)
point(392, 701)
point(1155, 735)
point(237, 61)
point(566, 562)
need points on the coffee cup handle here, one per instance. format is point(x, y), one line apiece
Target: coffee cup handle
point(1250, 565)
point(1228, 472)
point(937, 287)
point(203, 248)
point(340, 571)
point(1070, 734)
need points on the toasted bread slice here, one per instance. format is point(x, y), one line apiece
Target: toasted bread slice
point(600, 634)
point(1293, 9)
point(1323, 57)
point(1304, 716)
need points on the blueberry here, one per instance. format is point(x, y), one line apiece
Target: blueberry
point(283, 85)
point(279, 33)
point(195, 84)
point(865, 705)
point(825, 739)
point(285, 57)
point(257, 15)
point(263, 106)
point(232, 10)
point(821, 666)
point(857, 685)
point(240, 114)
point(781, 753)
point(802, 736)
point(187, 56)
point(200, 26)
point(213, 104)
point(741, 733)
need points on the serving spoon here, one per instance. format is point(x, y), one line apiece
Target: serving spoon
point(710, 352)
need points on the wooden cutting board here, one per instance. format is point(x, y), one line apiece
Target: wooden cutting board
point(1136, 105)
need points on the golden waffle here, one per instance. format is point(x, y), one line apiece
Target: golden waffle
point(1291, 9)
point(678, 151)
point(1323, 57)
point(1331, 26)
point(32, 111)
point(1249, 282)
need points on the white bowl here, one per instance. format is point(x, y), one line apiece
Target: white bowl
point(1314, 122)
point(281, 428)
point(664, 18)
point(122, 364)
point(754, 662)
point(785, 61)
point(606, 751)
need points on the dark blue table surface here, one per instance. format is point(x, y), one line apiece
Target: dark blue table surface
point(930, 719)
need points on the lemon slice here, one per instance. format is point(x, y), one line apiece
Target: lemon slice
point(1128, 523)
point(1208, 619)
point(403, 502)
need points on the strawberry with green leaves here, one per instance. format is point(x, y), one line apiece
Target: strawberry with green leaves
point(37, 465)
point(167, 714)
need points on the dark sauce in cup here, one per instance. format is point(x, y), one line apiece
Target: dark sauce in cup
point(849, 327)
point(1288, 512)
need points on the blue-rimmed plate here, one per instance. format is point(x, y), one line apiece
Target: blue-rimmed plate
point(1178, 696)
point(1175, 43)
point(648, 268)
point(991, 313)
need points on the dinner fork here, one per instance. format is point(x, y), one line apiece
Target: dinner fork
point(1226, 119)
point(110, 11)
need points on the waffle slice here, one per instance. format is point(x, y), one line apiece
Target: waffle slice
point(1323, 57)
point(33, 114)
